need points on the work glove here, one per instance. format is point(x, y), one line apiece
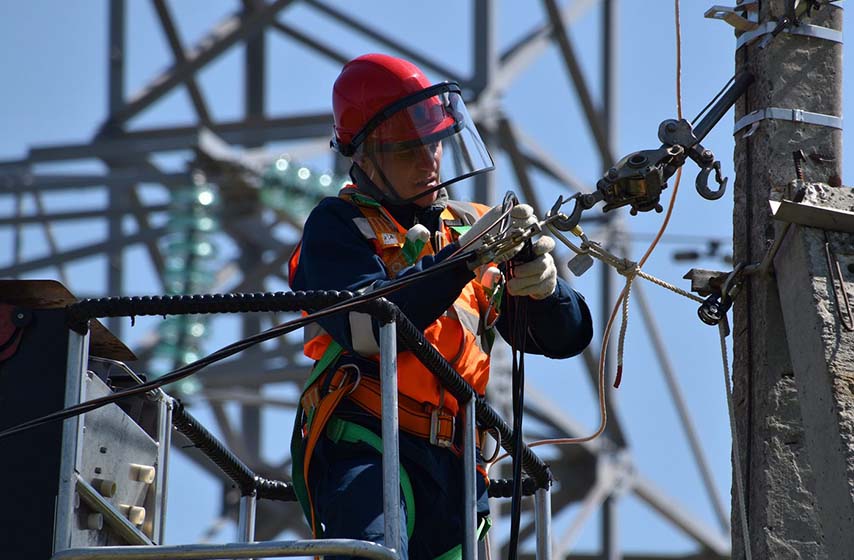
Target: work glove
point(521, 217)
point(536, 278)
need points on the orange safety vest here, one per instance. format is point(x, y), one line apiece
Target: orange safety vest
point(459, 334)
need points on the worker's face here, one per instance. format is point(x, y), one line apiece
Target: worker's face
point(410, 172)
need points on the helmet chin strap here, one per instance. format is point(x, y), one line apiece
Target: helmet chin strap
point(365, 183)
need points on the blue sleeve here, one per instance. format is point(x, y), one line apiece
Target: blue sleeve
point(559, 326)
point(335, 255)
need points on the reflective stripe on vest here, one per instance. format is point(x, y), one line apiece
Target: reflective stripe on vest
point(456, 334)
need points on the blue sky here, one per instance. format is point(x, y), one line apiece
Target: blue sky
point(53, 59)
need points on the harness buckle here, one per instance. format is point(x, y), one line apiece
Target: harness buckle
point(437, 420)
point(341, 377)
point(312, 396)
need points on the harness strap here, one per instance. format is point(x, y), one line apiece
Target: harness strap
point(304, 438)
point(435, 424)
point(310, 397)
point(341, 430)
point(330, 355)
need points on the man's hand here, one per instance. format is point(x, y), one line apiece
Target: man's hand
point(538, 277)
point(521, 217)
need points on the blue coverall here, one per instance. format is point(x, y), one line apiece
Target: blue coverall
point(346, 479)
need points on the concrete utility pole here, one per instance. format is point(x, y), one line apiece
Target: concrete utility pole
point(792, 355)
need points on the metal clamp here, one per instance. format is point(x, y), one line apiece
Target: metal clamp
point(806, 29)
point(793, 115)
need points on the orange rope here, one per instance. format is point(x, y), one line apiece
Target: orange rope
point(607, 334)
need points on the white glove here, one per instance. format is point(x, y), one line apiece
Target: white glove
point(521, 217)
point(536, 278)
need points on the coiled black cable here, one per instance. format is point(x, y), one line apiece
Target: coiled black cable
point(222, 457)
point(229, 463)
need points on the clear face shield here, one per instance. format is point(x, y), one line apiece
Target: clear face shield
point(421, 144)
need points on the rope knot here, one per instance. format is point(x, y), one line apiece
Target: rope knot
point(627, 268)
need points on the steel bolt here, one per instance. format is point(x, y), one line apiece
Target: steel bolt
point(612, 173)
point(671, 127)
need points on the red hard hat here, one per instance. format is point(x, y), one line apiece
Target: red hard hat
point(371, 83)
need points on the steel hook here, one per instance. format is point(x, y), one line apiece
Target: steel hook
point(702, 182)
point(567, 223)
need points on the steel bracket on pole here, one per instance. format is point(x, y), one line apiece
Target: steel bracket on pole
point(706, 282)
point(744, 17)
point(822, 217)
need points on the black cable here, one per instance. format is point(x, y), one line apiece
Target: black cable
point(109, 307)
point(518, 335)
point(116, 307)
point(80, 313)
point(712, 102)
point(171, 377)
point(519, 332)
point(518, 415)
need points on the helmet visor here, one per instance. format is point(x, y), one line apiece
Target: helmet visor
point(425, 143)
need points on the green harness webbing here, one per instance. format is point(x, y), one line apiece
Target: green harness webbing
point(338, 430)
point(342, 430)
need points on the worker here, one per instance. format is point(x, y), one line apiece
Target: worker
point(407, 141)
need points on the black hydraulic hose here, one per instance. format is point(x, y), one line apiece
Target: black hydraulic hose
point(275, 490)
point(221, 456)
point(79, 313)
point(229, 463)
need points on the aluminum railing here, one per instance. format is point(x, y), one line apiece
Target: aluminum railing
point(394, 327)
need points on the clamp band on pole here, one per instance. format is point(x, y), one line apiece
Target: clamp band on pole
point(793, 115)
point(805, 29)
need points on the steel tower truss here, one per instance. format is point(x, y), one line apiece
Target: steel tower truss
point(595, 474)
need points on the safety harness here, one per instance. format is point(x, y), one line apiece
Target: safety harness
point(327, 385)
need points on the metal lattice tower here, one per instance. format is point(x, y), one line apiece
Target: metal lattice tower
point(231, 157)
